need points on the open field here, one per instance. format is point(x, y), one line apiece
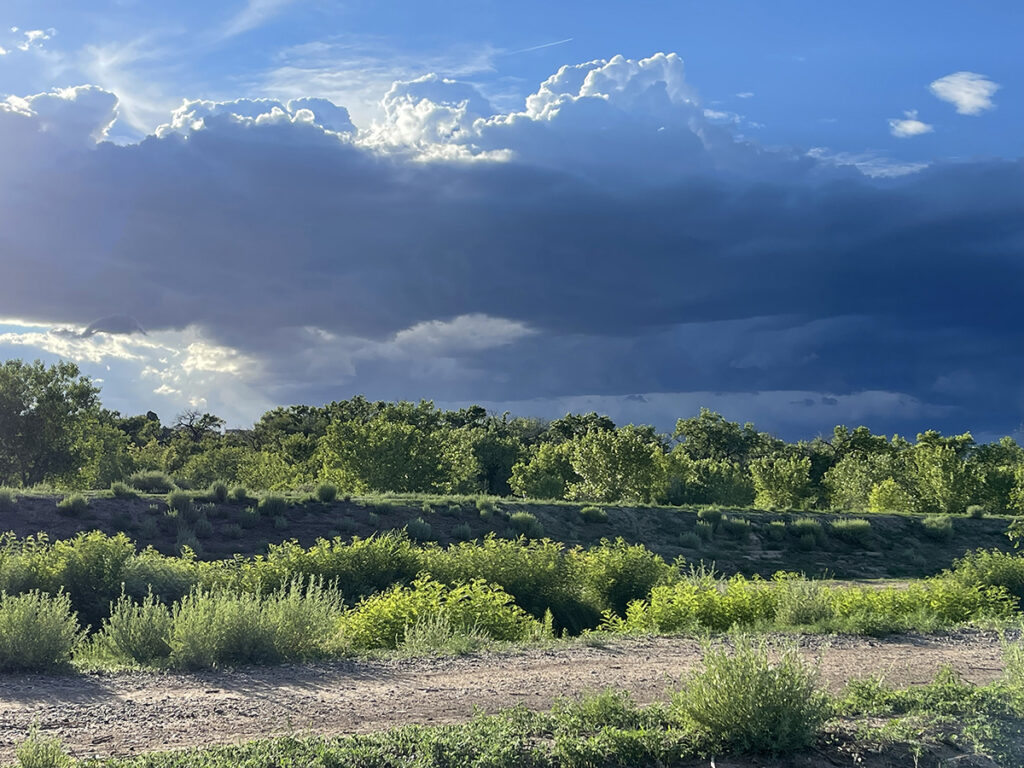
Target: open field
point(131, 713)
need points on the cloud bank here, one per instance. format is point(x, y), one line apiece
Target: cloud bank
point(606, 240)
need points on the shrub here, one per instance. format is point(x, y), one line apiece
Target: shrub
point(614, 574)
point(801, 602)
point(807, 542)
point(977, 511)
point(690, 541)
point(381, 621)
point(8, 500)
point(249, 518)
point(419, 529)
point(203, 528)
point(273, 506)
point(744, 703)
point(218, 492)
point(710, 516)
point(808, 525)
point(232, 531)
point(426, 509)
point(38, 632)
point(435, 633)
point(938, 527)
point(593, 515)
point(485, 507)
point(180, 502)
point(41, 752)
point(123, 491)
point(151, 482)
point(462, 532)
point(239, 494)
point(705, 530)
point(326, 492)
point(74, 505)
point(526, 524)
point(136, 632)
point(280, 523)
point(990, 568)
point(187, 541)
point(856, 531)
point(776, 530)
point(736, 527)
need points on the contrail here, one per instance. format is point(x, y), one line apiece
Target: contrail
point(542, 45)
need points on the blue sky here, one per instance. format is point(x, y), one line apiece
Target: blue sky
point(800, 213)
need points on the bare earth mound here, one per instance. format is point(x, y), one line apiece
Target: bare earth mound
point(128, 713)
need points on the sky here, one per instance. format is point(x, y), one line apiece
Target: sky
point(799, 214)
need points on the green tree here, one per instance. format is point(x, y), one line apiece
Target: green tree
point(710, 436)
point(707, 481)
point(850, 481)
point(889, 497)
point(943, 480)
point(546, 473)
point(782, 482)
point(620, 465)
point(44, 414)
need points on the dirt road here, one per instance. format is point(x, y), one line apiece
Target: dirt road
point(127, 713)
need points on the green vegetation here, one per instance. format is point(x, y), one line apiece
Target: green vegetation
point(38, 632)
point(593, 515)
point(360, 447)
point(73, 505)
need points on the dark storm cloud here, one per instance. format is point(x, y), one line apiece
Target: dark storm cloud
point(700, 264)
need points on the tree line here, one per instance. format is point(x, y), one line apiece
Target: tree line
point(54, 430)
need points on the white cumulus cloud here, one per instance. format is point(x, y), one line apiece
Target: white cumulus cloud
point(908, 125)
point(969, 92)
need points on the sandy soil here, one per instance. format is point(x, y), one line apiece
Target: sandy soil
point(127, 713)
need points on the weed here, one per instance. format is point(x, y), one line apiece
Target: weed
point(593, 515)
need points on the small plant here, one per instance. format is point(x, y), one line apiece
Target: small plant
point(187, 541)
point(148, 529)
point(426, 509)
point(593, 515)
point(249, 518)
point(326, 493)
point(8, 500)
point(690, 541)
point(38, 632)
point(180, 502)
point(776, 531)
point(272, 505)
point(462, 532)
point(705, 530)
point(38, 751)
point(807, 542)
point(203, 528)
point(218, 492)
point(136, 632)
point(123, 491)
point(280, 523)
point(485, 507)
point(938, 527)
point(977, 511)
point(808, 525)
point(710, 516)
point(151, 482)
point(74, 505)
point(736, 527)
point(745, 703)
point(526, 524)
point(856, 531)
point(373, 518)
point(239, 494)
point(419, 529)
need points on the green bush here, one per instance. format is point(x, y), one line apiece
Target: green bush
point(151, 482)
point(437, 634)
point(273, 506)
point(977, 511)
point(38, 751)
point(807, 542)
point(462, 532)
point(938, 527)
point(736, 527)
point(135, 632)
point(239, 494)
point(705, 530)
point(74, 505)
point(280, 523)
point(203, 528)
point(218, 492)
point(808, 525)
point(776, 531)
point(8, 500)
point(801, 602)
point(526, 524)
point(381, 621)
point(419, 529)
point(122, 490)
point(690, 541)
point(232, 531)
point(180, 502)
point(710, 516)
point(187, 541)
point(614, 574)
point(249, 518)
point(38, 632)
point(326, 493)
point(856, 531)
point(743, 702)
point(485, 507)
point(593, 515)
point(990, 568)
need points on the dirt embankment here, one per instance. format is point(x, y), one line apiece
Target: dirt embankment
point(128, 713)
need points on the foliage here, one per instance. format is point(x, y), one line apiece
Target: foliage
point(615, 573)
point(38, 632)
point(38, 751)
point(526, 524)
point(326, 493)
point(854, 531)
point(419, 529)
point(73, 505)
point(781, 483)
point(8, 500)
point(152, 481)
point(621, 465)
point(889, 497)
point(122, 490)
point(745, 702)
point(545, 474)
point(593, 515)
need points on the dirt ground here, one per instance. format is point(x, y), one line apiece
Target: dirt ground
point(128, 713)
